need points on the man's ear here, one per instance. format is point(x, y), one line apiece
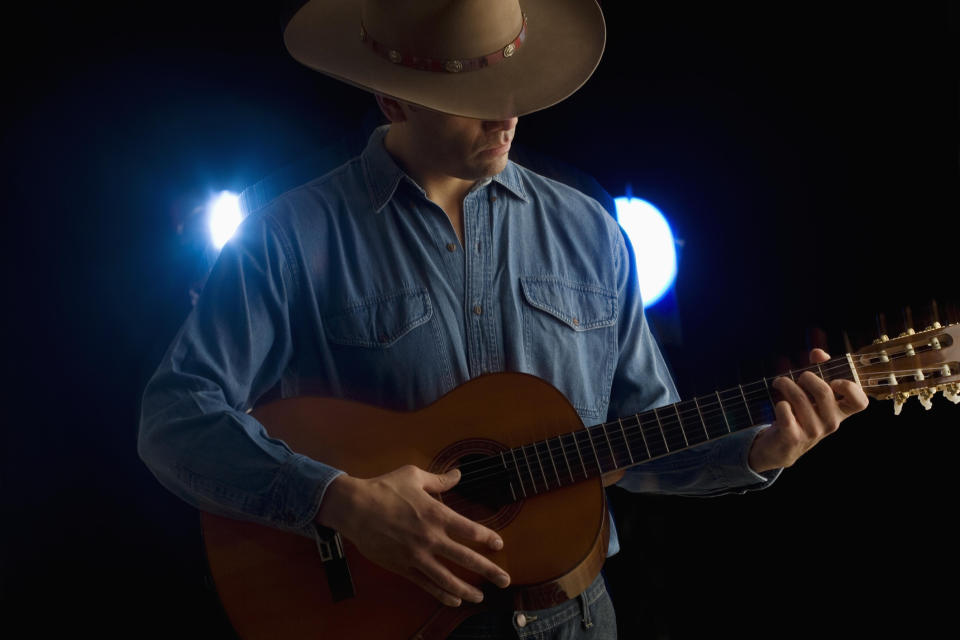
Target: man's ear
point(390, 108)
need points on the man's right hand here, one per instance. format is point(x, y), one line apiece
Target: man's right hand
point(395, 522)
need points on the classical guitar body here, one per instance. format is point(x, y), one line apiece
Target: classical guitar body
point(272, 583)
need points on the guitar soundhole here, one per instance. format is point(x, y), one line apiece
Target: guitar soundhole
point(484, 492)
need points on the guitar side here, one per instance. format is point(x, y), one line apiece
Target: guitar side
point(272, 583)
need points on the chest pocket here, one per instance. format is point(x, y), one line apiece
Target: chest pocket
point(379, 321)
point(387, 349)
point(569, 339)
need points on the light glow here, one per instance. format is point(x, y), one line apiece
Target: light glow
point(654, 246)
point(224, 217)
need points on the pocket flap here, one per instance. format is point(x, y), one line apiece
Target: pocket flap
point(379, 321)
point(579, 306)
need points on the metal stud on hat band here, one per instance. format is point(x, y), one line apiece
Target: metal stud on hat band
point(445, 66)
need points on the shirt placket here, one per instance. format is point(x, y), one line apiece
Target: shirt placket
point(478, 302)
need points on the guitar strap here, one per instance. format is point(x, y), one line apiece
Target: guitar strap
point(330, 547)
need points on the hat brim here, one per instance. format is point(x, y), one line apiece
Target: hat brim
point(564, 43)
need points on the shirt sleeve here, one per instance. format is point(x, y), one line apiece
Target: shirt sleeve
point(642, 381)
point(196, 434)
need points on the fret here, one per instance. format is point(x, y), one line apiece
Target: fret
point(765, 406)
point(566, 460)
point(675, 441)
point(553, 462)
point(643, 436)
point(769, 395)
point(533, 480)
point(702, 421)
point(542, 471)
point(626, 441)
point(676, 409)
point(822, 376)
point(723, 412)
point(513, 491)
point(594, 447)
point(663, 434)
point(746, 405)
point(657, 445)
point(517, 467)
point(694, 434)
point(613, 456)
point(580, 455)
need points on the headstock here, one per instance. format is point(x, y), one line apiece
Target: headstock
point(916, 363)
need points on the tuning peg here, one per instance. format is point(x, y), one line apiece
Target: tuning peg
point(926, 398)
point(898, 401)
point(951, 392)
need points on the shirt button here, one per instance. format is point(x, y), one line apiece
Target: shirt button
point(477, 309)
point(451, 247)
point(493, 198)
point(576, 322)
point(521, 620)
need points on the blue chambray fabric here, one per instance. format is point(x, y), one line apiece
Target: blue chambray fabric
point(355, 285)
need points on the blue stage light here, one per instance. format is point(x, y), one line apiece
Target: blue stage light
point(653, 244)
point(223, 218)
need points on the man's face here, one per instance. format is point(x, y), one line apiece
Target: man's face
point(464, 148)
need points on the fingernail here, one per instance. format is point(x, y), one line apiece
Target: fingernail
point(503, 581)
point(497, 544)
point(476, 596)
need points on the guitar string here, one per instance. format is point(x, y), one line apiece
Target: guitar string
point(667, 423)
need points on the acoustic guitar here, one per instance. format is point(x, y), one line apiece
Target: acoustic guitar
point(530, 470)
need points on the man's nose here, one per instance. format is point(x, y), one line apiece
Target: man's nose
point(500, 125)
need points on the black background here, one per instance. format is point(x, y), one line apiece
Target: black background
point(806, 154)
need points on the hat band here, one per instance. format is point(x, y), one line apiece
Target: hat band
point(446, 66)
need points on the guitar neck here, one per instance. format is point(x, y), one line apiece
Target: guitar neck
point(572, 457)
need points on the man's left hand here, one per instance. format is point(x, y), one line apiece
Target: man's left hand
point(810, 410)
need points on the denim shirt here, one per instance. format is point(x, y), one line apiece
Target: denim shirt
point(355, 285)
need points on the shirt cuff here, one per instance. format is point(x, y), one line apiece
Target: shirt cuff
point(732, 464)
point(304, 482)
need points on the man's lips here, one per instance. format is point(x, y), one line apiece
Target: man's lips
point(497, 149)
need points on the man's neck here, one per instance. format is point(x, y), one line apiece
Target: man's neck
point(444, 190)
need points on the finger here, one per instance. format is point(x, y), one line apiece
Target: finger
point(850, 396)
point(800, 405)
point(817, 389)
point(443, 578)
point(475, 562)
point(825, 403)
point(818, 355)
point(430, 587)
point(466, 529)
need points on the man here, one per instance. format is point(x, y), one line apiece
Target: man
point(426, 262)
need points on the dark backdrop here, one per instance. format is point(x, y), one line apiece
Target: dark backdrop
point(806, 154)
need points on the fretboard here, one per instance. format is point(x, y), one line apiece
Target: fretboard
point(572, 457)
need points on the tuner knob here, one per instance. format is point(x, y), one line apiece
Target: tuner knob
point(952, 392)
point(926, 398)
point(898, 401)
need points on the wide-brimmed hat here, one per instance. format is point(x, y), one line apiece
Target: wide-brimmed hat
point(489, 59)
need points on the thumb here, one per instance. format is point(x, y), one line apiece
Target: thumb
point(438, 483)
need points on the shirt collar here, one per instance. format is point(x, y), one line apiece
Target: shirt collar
point(384, 175)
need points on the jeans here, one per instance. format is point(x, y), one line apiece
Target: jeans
point(589, 616)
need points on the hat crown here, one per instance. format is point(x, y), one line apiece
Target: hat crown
point(443, 29)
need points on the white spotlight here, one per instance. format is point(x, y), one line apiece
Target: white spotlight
point(224, 217)
point(653, 245)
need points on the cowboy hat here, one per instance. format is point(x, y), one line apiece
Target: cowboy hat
point(488, 59)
